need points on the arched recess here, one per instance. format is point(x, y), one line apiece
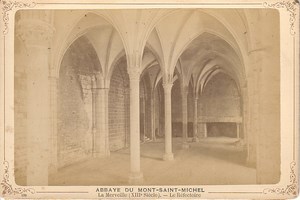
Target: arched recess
point(221, 106)
point(118, 106)
point(84, 23)
point(75, 102)
point(158, 101)
point(108, 48)
point(209, 50)
point(149, 100)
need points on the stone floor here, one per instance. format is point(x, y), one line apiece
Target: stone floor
point(211, 161)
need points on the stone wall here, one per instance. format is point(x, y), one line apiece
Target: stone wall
point(74, 118)
point(220, 98)
point(75, 103)
point(20, 111)
point(118, 108)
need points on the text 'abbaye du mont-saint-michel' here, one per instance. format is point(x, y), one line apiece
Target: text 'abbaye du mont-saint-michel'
point(149, 192)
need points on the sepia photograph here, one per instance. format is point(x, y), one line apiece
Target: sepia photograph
point(149, 100)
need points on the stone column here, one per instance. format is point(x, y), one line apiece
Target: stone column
point(53, 105)
point(136, 175)
point(202, 129)
point(36, 35)
point(265, 100)
point(195, 131)
point(102, 135)
point(244, 113)
point(185, 144)
point(168, 122)
point(205, 129)
point(252, 117)
point(238, 130)
point(94, 130)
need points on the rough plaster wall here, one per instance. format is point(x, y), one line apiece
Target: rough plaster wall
point(75, 103)
point(117, 107)
point(73, 120)
point(220, 97)
point(20, 107)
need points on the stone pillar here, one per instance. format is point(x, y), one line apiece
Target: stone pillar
point(252, 119)
point(53, 105)
point(168, 122)
point(202, 128)
point(205, 129)
point(238, 130)
point(244, 100)
point(136, 176)
point(36, 34)
point(265, 100)
point(101, 107)
point(195, 129)
point(94, 117)
point(185, 144)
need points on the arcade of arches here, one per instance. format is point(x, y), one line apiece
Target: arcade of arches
point(99, 85)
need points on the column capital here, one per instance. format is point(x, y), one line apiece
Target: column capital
point(100, 81)
point(35, 32)
point(134, 73)
point(167, 86)
point(184, 90)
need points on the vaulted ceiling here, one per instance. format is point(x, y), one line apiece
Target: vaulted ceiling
point(198, 43)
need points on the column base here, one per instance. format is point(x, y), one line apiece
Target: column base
point(195, 139)
point(185, 145)
point(168, 156)
point(136, 178)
